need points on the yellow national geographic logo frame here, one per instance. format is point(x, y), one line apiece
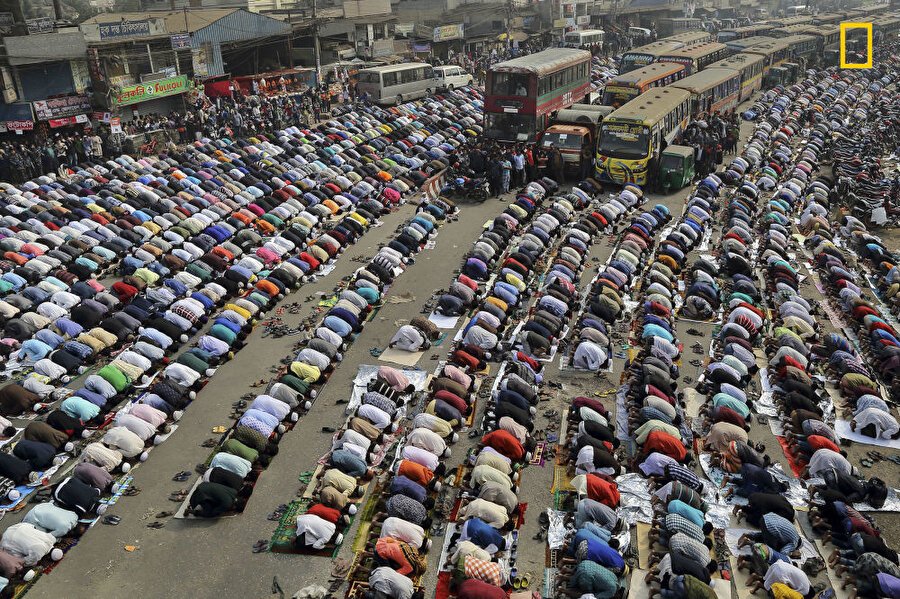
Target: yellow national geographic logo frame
point(869, 52)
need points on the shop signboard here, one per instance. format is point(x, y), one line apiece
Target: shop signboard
point(405, 29)
point(55, 108)
point(448, 32)
point(124, 28)
point(151, 90)
point(39, 25)
point(115, 125)
point(7, 20)
point(68, 120)
point(19, 125)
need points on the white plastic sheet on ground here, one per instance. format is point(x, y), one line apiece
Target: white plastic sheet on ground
point(368, 372)
point(634, 501)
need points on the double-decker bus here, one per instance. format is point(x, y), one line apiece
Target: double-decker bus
point(671, 26)
point(689, 38)
point(712, 90)
point(750, 66)
point(522, 92)
point(624, 88)
point(646, 54)
point(739, 33)
point(630, 135)
point(738, 46)
point(697, 57)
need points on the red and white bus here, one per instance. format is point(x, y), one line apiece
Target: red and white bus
point(522, 92)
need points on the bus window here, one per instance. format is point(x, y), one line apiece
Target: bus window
point(509, 84)
point(520, 125)
point(390, 79)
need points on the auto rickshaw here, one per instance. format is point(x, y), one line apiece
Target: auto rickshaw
point(676, 167)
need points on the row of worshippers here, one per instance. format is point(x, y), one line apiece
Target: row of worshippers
point(656, 419)
point(484, 539)
point(381, 407)
point(254, 438)
point(497, 288)
point(606, 302)
point(395, 552)
point(559, 300)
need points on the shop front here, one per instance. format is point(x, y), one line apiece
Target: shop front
point(151, 97)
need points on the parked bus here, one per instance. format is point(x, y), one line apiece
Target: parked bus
point(787, 22)
point(781, 32)
point(774, 53)
point(712, 90)
point(671, 26)
point(750, 66)
point(885, 29)
point(738, 46)
point(697, 57)
point(630, 135)
point(579, 39)
point(646, 54)
point(396, 83)
point(689, 38)
point(739, 33)
point(804, 47)
point(830, 18)
point(794, 11)
point(522, 92)
point(623, 88)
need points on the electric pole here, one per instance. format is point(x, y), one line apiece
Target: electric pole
point(315, 16)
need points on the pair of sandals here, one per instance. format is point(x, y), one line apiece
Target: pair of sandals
point(520, 583)
point(182, 476)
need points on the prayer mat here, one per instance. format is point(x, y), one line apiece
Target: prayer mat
point(796, 467)
point(644, 547)
point(283, 538)
point(833, 577)
point(842, 427)
point(538, 459)
point(399, 356)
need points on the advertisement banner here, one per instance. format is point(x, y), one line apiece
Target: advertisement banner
point(115, 125)
point(420, 48)
point(448, 32)
point(124, 28)
point(181, 40)
point(404, 28)
point(56, 108)
point(6, 22)
point(583, 20)
point(559, 23)
point(81, 75)
point(20, 125)
point(152, 90)
point(69, 120)
point(199, 61)
point(103, 117)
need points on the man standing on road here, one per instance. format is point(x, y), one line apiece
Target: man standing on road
point(556, 164)
point(653, 173)
point(519, 166)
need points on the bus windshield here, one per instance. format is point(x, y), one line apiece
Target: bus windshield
point(624, 141)
point(617, 96)
point(568, 141)
point(509, 84)
point(509, 127)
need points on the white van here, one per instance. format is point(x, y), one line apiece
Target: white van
point(449, 77)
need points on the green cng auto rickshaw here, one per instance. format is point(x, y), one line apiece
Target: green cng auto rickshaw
point(676, 167)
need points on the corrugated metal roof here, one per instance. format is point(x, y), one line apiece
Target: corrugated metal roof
point(542, 62)
point(231, 23)
point(49, 47)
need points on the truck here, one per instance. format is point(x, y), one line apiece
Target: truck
point(574, 132)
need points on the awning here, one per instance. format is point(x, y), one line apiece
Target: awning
point(518, 36)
